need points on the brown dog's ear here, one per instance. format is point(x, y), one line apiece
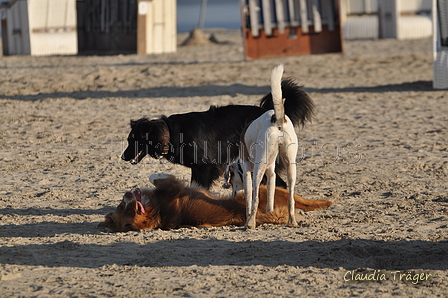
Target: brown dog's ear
point(128, 197)
point(131, 209)
point(129, 203)
point(107, 223)
point(104, 224)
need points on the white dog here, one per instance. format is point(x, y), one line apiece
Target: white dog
point(270, 135)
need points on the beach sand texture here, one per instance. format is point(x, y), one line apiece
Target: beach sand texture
point(379, 141)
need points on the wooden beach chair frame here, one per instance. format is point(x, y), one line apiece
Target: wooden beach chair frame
point(290, 27)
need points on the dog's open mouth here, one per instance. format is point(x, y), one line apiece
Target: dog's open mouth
point(138, 197)
point(137, 158)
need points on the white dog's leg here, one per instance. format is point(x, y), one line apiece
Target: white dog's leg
point(247, 183)
point(291, 203)
point(259, 170)
point(270, 175)
point(268, 157)
point(247, 169)
point(290, 155)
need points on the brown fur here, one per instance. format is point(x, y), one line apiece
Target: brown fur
point(174, 205)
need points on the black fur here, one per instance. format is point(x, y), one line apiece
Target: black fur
point(298, 104)
point(207, 141)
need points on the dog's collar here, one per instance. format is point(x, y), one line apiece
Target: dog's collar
point(165, 141)
point(165, 149)
point(138, 197)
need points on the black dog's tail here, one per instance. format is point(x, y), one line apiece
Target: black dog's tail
point(298, 104)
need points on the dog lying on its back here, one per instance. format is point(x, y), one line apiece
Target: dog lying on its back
point(172, 205)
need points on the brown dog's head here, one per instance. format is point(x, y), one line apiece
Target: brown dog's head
point(130, 215)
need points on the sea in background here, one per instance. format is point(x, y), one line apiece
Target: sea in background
point(218, 14)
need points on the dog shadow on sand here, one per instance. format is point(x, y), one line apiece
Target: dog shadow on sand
point(215, 90)
point(345, 253)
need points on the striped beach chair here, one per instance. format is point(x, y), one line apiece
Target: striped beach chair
point(273, 28)
point(440, 42)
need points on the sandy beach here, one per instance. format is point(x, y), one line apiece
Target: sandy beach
point(379, 141)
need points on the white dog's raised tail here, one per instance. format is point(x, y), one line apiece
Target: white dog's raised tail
point(277, 98)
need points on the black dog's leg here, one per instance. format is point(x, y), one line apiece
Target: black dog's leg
point(280, 167)
point(194, 175)
point(205, 175)
point(279, 182)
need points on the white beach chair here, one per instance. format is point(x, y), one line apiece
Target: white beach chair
point(440, 44)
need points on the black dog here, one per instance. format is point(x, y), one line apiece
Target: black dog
point(207, 141)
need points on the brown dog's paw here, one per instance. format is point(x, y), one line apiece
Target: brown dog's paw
point(333, 199)
point(158, 176)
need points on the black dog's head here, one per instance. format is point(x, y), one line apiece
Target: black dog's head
point(146, 137)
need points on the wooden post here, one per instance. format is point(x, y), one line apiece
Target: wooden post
point(304, 16)
point(202, 14)
point(440, 44)
point(267, 20)
point(280, 14)
point(4, 28)
point(388, 14)
point(156, 26)
point(317, 20)
point(141, 26)
point(253, 12)
point(292, 14)
point(327, 8)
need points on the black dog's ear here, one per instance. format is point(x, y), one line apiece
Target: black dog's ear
point(144, 129)
point(156, 128)
point(141, 127)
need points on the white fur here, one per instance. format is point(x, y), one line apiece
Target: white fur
point(276, 91)
point(145, 200)
point(233, 177)
point(157, 176)
point(265, 141)
point(145, 195)
point(128, 200)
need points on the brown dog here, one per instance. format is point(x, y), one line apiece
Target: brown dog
point(172, 205)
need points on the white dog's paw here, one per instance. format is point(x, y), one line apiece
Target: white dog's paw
point(157, 176)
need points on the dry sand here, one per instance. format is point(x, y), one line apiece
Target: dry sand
point(380, 141)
